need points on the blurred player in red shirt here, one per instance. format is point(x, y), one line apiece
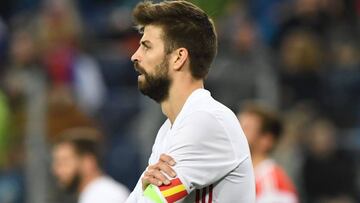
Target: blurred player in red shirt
point(263, 129)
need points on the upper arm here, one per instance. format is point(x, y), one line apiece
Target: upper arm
point(202, 150)
point(203, 153)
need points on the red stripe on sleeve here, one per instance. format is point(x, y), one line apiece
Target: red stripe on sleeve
point(210, 193)
point(197, 196)
point(173, 182)
point(176, 197)
point(203, 195)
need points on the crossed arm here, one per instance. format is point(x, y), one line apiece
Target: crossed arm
point(200, 160)
point(158, 173)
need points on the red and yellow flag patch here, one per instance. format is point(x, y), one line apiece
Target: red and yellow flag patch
point(173, 192)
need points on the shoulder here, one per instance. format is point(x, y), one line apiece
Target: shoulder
point(201, 132)
point(213, 110)
point(212, 123)
point(104, 188)
point(201, 117)
point(112, 185)
point(199, 122)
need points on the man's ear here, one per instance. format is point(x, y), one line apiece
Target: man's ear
point(180, 56)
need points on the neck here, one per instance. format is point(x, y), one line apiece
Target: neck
point(88, 178)
point(178, 94)
point(257, 158)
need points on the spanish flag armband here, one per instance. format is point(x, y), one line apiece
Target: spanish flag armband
point(166, 193)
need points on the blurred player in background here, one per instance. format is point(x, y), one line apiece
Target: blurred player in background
point(263, 129)
point(76, 165)
point(211, 157)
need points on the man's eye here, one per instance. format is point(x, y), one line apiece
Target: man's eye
point(144, 46)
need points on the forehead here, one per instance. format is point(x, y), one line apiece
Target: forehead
point(64, 149)
point(153, 34)
point(250, 117)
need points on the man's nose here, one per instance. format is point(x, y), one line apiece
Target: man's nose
point(135, 56)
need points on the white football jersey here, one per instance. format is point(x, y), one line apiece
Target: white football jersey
point(104, 189)
point(213, 162)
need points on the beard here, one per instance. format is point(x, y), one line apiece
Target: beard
point(156, 86)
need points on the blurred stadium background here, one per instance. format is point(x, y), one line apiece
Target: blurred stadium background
point(65, 63)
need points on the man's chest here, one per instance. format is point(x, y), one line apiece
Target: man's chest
point(164, 139)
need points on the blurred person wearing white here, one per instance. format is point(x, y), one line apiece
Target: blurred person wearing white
point(263, 129)
point(207, 156)
point(76, 165)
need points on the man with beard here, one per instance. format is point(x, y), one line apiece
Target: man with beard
point(263, 129)
point(200, 152)
point(76, 165)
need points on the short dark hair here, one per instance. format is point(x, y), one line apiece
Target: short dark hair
point(184, 25)
point(85, 140)
point(270, 120)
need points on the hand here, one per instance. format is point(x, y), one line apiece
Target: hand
point(156, 174)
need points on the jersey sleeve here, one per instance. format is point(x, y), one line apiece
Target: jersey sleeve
point(203, 153)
